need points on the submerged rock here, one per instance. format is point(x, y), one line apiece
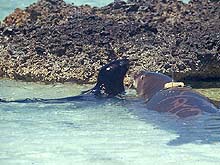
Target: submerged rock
point(52, 41)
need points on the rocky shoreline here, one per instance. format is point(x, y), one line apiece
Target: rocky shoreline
point(51, 41)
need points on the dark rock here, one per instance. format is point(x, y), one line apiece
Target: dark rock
point(34, 15)
point(59, 51)
point(1, 72)
point(8, 32)
point(40, 50)
point(158, 35)
point(117, 5)
point(132, 7)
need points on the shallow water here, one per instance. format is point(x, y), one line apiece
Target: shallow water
point(8, 6)
point(109, 132)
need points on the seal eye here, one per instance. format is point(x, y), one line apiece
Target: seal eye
point(142, 77)
point(109, 68)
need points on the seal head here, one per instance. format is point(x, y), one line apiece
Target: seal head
point(149, 83)
point(110, 78)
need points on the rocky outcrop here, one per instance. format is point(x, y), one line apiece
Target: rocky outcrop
point(52, 41)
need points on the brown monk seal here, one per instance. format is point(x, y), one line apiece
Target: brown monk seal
point(109, 84)
point(181, 101)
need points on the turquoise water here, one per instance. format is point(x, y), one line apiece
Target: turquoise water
point(8, 6)
point(111, 133)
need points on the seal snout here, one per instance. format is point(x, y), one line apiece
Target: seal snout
point(138, 74)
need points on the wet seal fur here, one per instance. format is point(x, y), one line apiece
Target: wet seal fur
point(181, 101)
point(109, 84)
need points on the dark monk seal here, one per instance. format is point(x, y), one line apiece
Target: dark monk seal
point(109, 84)
point(180, 101)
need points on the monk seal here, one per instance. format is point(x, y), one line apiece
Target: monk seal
point(181, 101)
point(109, 84)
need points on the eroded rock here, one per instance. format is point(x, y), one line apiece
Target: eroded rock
point(53, 41)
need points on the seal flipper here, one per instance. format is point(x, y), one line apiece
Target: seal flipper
point(2, 100)
point(50, 101)
point(27, 100)
point(95, 90)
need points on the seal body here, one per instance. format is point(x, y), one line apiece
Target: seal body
point(109, 84)
point(181, 101)
point(110, 81)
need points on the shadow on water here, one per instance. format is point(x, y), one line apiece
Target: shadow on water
point(203, 129)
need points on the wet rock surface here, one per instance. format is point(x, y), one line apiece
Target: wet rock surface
point(52, 41)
